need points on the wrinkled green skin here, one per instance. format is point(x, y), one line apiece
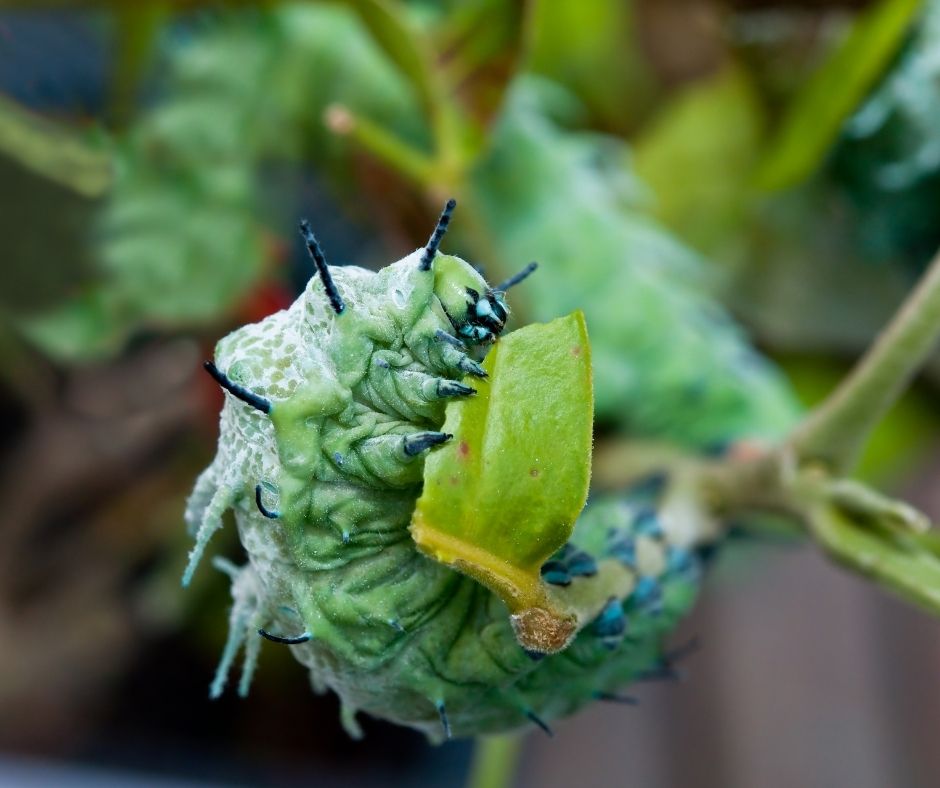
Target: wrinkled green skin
point(394, 633)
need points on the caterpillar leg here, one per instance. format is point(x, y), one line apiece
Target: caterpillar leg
point(391, 459)
point(347, 717)
point(666, 669)
point(394, 388)
point(442, 352)
point(453, 355)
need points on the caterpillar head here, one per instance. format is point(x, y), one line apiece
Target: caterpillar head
point(476, 311)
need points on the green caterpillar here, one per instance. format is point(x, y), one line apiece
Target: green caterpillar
point(333, 405)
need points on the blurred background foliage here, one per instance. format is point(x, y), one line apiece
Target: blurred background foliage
point(691, 173)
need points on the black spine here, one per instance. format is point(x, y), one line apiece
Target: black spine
point(437, 236)
point(540, 722)
point(445, 723)
point(271, 515)
point(286, 641)
point(514, 280)
point(246, 396)
point(319, 260)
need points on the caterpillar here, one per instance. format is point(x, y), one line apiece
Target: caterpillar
point(331, 407)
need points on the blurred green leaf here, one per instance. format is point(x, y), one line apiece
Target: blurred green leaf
point(402, 42)
point(495, 505)
point(83, 328)
point(45, 226)
point(818, 111)
point(711, 133)
point(478, 46)
point(593, 48)
point(840, 300)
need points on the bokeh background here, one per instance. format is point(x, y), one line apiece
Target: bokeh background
point(778, 160)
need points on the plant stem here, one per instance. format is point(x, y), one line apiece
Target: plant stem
point(380, 144)
point(892, 560)
point(835, 432)
point(494, 761)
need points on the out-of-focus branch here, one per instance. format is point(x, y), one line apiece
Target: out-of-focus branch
point(381, 145)
point(495, 759)
point(803, 477)
point(835, 432)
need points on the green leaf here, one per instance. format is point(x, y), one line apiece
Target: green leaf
point(503, 495)
point(834, 91)
point(85, 328)
point(710, 133)
point(594, 48)
point(479, 46)
point(392, 30)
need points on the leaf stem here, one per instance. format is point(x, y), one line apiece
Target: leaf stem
point(382, 145)
point(835, 432)
point(494, 761)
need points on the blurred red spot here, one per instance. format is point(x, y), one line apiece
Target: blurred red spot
point(454, 481)
point(576, 350)
point(463, 449)
point(534, 473)
point(747, 450)
point(263, 301)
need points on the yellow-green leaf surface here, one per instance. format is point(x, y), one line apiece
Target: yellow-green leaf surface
point(503, 495)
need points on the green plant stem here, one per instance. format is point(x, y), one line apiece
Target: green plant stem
point(381, 145)
point(858, 527)
point(835, 432)
point(59, 153)
point(494, 761)
point(892, 560)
